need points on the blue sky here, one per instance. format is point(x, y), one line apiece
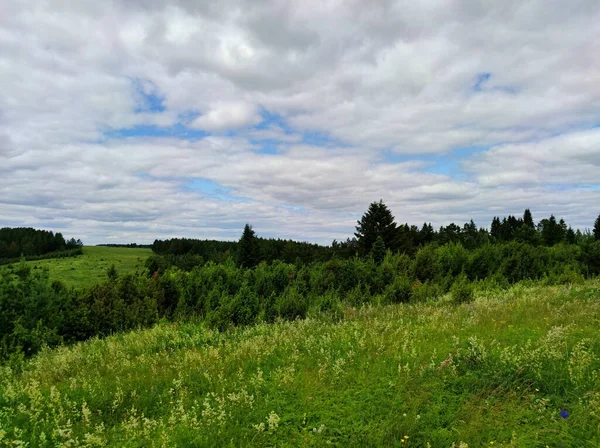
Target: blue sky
point(132, 122)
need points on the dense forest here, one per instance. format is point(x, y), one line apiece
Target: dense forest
point(35, 244)
point(383, 264)
point(378, 221)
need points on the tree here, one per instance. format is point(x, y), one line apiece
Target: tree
point(495, 229)
point(528, 219)
point(248, 248)
point(377, 221)
point(552, 231)
point(378, 251)
point(597, 229)
point(570, 237)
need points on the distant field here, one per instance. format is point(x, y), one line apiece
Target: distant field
point(90, 268)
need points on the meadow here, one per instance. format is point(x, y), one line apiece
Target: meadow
point(517, 367)
point(91, 267)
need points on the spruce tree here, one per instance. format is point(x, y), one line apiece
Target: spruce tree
point(528, 219)
point(570, 237)
point(248, 248)
point(377, 221)
point(597, 229)
point(496, 228)
point(378, 250)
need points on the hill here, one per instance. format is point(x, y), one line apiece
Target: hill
point(90, 267)
point(514, 368)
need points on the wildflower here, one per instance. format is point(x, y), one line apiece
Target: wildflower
point(406, 437)
point(564, 413)
point(536, 389)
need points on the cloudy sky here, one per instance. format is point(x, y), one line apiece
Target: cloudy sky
point(127, 120)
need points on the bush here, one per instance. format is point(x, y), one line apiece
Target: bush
point(331, 305)
point(462, 290)
point(292, 305)
point(400, 291)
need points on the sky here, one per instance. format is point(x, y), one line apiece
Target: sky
point(130, 120)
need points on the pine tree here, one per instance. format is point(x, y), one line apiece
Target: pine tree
point(378, 250)
point(597, 229)
point(248, 248)
point(377, 221)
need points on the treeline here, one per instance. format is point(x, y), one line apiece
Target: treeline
point(268, 249)
point(34, 244)
point(377, 222)
point(131, 245)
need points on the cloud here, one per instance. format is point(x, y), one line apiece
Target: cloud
point(302, 111)
point(228, 115)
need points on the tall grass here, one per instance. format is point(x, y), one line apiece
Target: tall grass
point(514, 368)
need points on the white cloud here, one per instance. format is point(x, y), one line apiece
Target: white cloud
point(396, 79)
point(228, 115)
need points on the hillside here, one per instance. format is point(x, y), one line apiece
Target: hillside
point(90, 268)
point(514, 368)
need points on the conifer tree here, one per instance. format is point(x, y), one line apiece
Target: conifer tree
point(528, 219)
point(597, 229)
point(570, 236)
point(248, 248)
point(496, 228)
point(378, 251)
point(377, 221)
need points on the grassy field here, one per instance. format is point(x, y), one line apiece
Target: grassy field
point(518, 368)
point(90, 268)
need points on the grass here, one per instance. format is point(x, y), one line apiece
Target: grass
point(90, 268)
point(496, 372)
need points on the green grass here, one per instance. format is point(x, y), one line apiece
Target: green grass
point(495, 372)
point(90, 268)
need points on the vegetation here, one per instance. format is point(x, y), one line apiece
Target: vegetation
point(35, 244)
point(513, 368)
point(252, 340)
point(90, 268)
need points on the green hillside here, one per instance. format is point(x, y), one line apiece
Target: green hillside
point(90, 268)
point(516, 368)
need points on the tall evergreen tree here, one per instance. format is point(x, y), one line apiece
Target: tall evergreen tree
point(552, 232)
point(496, 228)
point(248, 248)
point(597, 229)
point(378, 251)
point(570, 236)
point(528, 219)
point(427, 234)
point(377, 221)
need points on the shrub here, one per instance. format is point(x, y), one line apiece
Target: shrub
point(291, 304)
point(400, 291)
point(462, 290)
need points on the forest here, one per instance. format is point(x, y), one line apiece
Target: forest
point(261, 280)
point(35, 244)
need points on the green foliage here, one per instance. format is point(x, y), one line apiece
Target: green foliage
point(378, 251)
point(377, 221)
point(597, 228)
point(462, 290)
point(34, 244)
point(291, 304)
point(400, 291)
point(248, 248)
point(498, 370)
